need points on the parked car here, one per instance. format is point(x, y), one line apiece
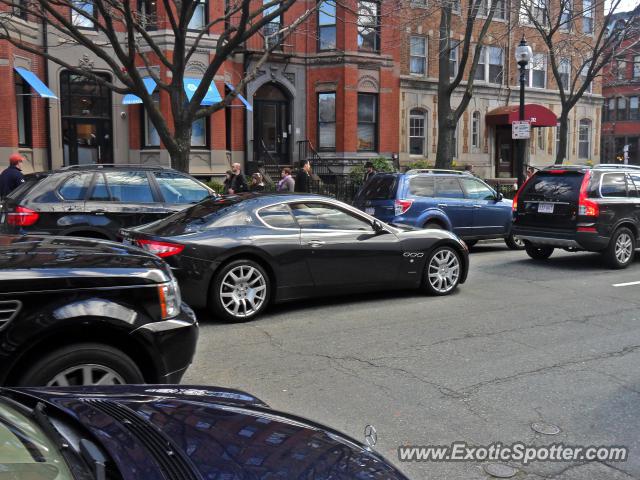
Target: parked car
point(238, 253)
point(440, 199)
point(581, 208)
point(155, 432)
point(82, 311)
point(97, 200)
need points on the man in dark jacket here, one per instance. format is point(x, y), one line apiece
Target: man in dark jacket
point(11, 177)
point(370, 171)
point(303, 177)
point(238, 183)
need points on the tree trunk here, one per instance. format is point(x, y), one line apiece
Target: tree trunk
point(181, 154)
point(563, 138)
point(446, 141)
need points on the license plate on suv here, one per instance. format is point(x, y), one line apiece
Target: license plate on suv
point(545, 208)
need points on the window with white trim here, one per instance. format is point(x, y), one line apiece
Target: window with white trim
point(499, 13)
point(636, 66)
point(418, 55)
point(491, 65)
point(587, 16)
point(584, 139)
point(80, 11)
point(475, 129)
point(540, 138)
point(564, 68)
point(199, 19)
point(621, 69)
point(538, 71)
point(417, 132)
point(583, 77)
point(533, 11)
point(327, 25)
point(565, 15)
point(453, 59)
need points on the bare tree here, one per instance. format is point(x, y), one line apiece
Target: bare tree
point(475, 30)
point(578, 51)
point(123, 42)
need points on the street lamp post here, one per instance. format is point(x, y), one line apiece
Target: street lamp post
point(523, 57)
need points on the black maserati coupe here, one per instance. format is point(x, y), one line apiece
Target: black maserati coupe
point(236, 254)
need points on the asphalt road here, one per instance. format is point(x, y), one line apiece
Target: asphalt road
point(520, 342)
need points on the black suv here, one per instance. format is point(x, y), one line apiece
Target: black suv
point(97, 200)
point(580, 208)
point(81, 311)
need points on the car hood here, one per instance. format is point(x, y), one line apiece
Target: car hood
point(157, 432)
point(30, 257)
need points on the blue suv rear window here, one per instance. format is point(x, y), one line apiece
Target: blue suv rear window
point(380, 187)
point(422, 186)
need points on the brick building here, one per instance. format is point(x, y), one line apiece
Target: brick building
point(331, 88)
point(621, 91)
point(483, 136)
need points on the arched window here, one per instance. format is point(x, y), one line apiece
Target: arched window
point(584, 139)
point(418, 132)
point(475, 130)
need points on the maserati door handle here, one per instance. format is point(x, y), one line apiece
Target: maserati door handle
point(442, 205)
point(315, 243)
point(477, 206)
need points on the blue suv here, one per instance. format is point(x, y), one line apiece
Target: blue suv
point(447, 199)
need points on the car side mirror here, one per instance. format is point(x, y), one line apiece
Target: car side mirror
point(377, 227)
point(499, 197)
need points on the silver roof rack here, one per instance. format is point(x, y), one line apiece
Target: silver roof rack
point(617, 165)
point(114, 165)
point(434, 170)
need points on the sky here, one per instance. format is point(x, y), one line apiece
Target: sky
point(625, 5)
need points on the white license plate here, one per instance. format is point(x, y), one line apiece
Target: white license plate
point(370, 211)
point(545, 208)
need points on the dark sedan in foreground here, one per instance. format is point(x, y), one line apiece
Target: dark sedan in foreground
point(79, 311)
point(176, 433)
point(236, 254)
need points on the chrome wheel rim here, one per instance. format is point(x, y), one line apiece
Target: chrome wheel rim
point(243, 291)
point(624, 248)
point(444, 271)
point(87, 374)
point(518, 242)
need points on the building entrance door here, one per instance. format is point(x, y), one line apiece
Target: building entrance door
point(272, 127)
point(505, 153)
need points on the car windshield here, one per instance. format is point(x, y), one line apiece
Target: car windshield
point(25, 451)
point(194, 218)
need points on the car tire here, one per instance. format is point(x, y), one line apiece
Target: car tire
point(538, 252)
point(235, 285)
point(442, 271)
point(83, 364)
point(514, 243)
point(470, 243)
point(433, 226)
point(621, 249)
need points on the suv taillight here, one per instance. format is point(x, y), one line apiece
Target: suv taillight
point(22, 217)
point(161, 249)
point(401, 206)
point(586, 206)
point(514, 204)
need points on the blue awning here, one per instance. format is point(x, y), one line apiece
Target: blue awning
point(131, 99)
point(242, 99)
point(212, 97)
point(35, 83)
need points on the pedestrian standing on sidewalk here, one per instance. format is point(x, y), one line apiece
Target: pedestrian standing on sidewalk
point(238, 182)
point(12, 176)
point(257, 183)
point(303, 178)
point(370, 171)
point(227, 182)
point(287, 183)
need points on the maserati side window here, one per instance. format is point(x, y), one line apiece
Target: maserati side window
point(319, 216)
point(278, 216)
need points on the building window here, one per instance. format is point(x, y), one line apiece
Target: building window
point(453, 59)
point(622, 109)
point(475, 130)
point(636, 66)
point(540, 140)
point(455, 142)
point(199, 137)
point(611, 111)
point(418, 56)
point(23, 108)
point(634, 112)
point(583, 77)
point(564, 67)
point(327, 121)
point(533, 11)
point(500, 11)
point(272, 38)
point(20, 9)
point(621, 67)
point(490, 66)
point(538, 71)
point(417, 132)
point(327, 25)
point(151, 136)
point(587, 16)
point(584, 139)
point(367, 122)
point(147, 10)
point(369, 26)
point(80, 11)
point(565, 16)
point(200, 15)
